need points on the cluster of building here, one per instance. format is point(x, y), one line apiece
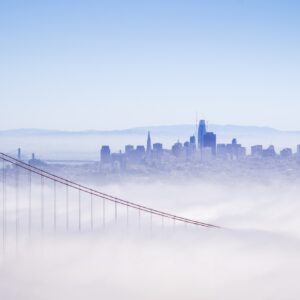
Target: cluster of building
point(202, 148)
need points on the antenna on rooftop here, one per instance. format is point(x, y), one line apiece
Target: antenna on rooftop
point(196, 124)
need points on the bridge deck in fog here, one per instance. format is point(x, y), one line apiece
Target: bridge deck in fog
point(56, 205)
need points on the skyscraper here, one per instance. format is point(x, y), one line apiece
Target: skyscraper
point(193, 140)
point(257, 150)
point(201, 133)
point(105, 154)
point(149, 145)
point(209, 141)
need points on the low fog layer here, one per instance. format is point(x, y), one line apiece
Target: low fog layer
point(254, 256)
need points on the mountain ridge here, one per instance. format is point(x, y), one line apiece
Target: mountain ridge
point(159, 129)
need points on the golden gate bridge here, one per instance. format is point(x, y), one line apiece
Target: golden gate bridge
point(35, 198)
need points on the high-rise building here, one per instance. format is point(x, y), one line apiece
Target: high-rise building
point(157, 147)
point(188, 148)
point(269, 152)
point(201, 133)
point(192, 144)
point(298, 150)
point(193, 140)
point(149, 145)
point(286, 152)
point(235, 150)
point(177, 149)
point(140, 152)
point(105, 154)
point(257, 150)
point(210, 141)
point(129, 149)
point(157, 150)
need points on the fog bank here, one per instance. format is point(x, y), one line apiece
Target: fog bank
point(254, 256)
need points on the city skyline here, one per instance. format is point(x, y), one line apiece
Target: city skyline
point(201, 145)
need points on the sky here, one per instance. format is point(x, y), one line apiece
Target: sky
point(79, 65)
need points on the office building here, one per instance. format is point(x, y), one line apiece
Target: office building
point(157, 150)
point(129, 149)
point(105, 154)
point(193, 140)
point(140, 152)
point(158, 147)
point(177, 149)
point(257, 150)
point(269, 152)
point(149, 145)
point(210, 141)
point(201, 133)
point(286, 152)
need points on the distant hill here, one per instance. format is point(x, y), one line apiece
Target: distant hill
point(184, 129)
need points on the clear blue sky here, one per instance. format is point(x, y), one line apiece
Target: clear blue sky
point(117, 64)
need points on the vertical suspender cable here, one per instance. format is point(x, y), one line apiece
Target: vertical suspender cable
point(54, 206)
point(92, 216)
point(17, 205)
point(103, 212)
point(29, 203)
point(79, 211)
point(42, 204)
point(4, 206)
point(139, 216)
point(127, 215)
point(116, 212)
point(67, 208)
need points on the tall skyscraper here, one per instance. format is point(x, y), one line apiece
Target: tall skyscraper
point(193, 140)
point(201, 133)
point(105, 154)
point(210, 141)
point(149, 145)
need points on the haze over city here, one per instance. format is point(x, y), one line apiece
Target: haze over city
point(149, 149)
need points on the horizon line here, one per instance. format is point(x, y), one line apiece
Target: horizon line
point(145, 127)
